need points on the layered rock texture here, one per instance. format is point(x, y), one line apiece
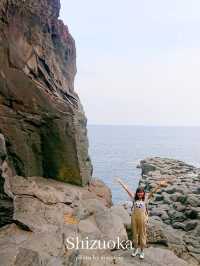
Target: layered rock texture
point(41, 116)
point(48, 214)
point(175, 209)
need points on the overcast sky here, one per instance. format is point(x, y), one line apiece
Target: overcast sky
point(138, 61)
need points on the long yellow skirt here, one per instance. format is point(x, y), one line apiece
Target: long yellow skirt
point(139, 227)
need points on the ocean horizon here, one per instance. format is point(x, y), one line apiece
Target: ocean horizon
point(116, 150)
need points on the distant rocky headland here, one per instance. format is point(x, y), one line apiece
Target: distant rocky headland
point(47, 193)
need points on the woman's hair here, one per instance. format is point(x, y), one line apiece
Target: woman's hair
point(139, 189)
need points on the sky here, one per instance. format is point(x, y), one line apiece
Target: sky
point(138, 61)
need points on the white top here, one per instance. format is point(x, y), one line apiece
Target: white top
point(141, 204)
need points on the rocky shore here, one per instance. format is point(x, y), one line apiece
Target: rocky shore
point(174, 210)
point(47, 213)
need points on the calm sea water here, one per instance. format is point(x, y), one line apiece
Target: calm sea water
point(116, 150)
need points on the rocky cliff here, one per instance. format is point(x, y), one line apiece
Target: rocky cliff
point(41, 116)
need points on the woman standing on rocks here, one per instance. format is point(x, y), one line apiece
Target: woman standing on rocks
point(139, 216)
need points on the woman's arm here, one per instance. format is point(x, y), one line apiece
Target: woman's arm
point(162, 183)
point(130, 193)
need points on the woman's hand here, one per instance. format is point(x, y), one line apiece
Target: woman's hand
point(163, 183)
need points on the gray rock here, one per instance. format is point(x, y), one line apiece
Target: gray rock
point(182, 199)
point(87, 228)
point(160, 233)
point(179, 207)
point(123, 214)
point(197, 230)
point(110, 225)
point(178, 225)
point(194, 250)
point(3, 151)
point(191, 240)
point(166, 199)
point(146, 167)
point(192, 213)
point(100, 191)
point(196, 256)
point(193, 200)
point(196, 190)
point(38, 216)
point(171, 190)
point(174, 197)
point(155, 218)
point(164, 216)
point(159, 197)
point(177, 216)
point(167, 221)
point(190, 225)
point(158, 212)
point(28, 257)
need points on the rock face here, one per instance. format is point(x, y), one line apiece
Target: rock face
point(6, 204)
point(47, 213)
point(175, 209)
point(41, 116)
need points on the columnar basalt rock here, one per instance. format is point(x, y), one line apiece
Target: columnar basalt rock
point(41, 116)
point(175, 209)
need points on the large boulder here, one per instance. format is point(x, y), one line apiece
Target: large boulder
point(123, 214)
point(41, 118)
point(47, 215)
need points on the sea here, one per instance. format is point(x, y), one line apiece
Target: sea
point(116, 150)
